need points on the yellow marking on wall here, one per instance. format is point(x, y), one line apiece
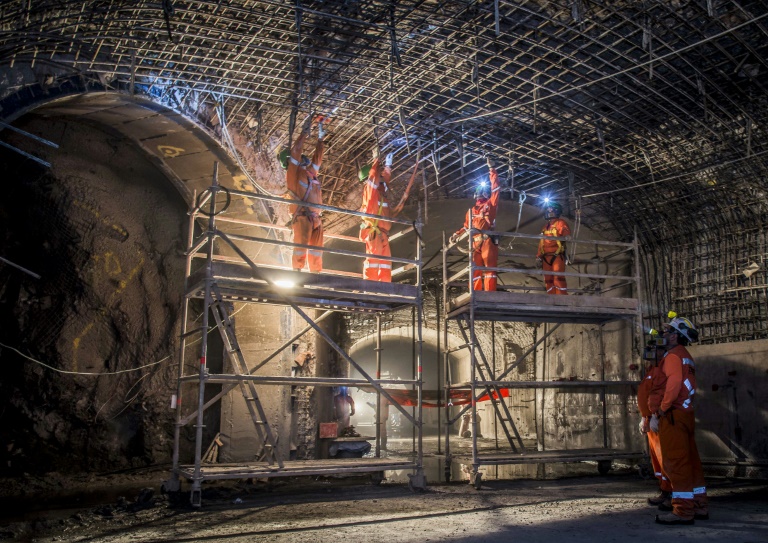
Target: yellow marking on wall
point(169, 151)
point(112, 268)
point(95, 212)
point(241, 183)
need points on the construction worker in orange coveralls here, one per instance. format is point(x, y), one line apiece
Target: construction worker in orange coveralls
point(653, 356)
point(375, 232)
point(303, 184)
point(551, 255)
point(671, 402)
point(485, 251)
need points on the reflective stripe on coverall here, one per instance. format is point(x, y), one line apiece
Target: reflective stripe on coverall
point(484, 251)
point(304, 185)
point(676, 381)
point(654, 446)
point(552, 255)
point(375, 232)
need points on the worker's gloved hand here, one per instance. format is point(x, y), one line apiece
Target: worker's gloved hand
point(320, 131)
point(654, 425)
point(567, 261)
point(643, 426)
point(539, 263)
point(454, 239)
point(488, 161)
point(388, 159)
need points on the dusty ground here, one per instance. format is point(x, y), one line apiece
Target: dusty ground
point(578, 509)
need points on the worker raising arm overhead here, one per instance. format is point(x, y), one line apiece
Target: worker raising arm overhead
point(303, 184)
point(485, 248)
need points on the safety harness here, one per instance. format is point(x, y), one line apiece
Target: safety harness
point(303, 210)
point(374, 226)
point(547, 231)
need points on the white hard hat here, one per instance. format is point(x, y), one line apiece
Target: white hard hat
point(685, 328)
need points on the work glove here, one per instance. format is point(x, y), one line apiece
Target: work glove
point(488, 161)
point(388, 160)
point(454, 239)
point(643, 425)
point(539, 263)
point(654, 425)
point(320, 131)
point(567, 261)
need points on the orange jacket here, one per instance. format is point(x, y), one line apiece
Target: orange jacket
point(644, 392)
point(303, 183)
point(375, 196)
point(483, 213)
point(675, 383)
point(555, 228)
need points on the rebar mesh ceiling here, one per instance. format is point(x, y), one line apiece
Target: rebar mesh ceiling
point(612, 105)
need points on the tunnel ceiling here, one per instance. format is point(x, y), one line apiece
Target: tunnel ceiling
point(647, 114)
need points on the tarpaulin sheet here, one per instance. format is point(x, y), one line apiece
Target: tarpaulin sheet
point(433, 398)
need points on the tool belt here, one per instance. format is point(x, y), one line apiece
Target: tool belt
point(479, 238)
point(549, 258)
point(304, 212)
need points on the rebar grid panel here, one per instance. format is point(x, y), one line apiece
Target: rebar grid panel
point(655, 110)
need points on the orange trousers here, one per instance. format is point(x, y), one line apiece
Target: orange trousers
point(555, 283)
point(376, 243)
point(307, 230)
point(486, 253)
point(681, 463)
point(654, 447)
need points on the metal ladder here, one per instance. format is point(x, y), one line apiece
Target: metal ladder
point(221, 313)
point(493, 392)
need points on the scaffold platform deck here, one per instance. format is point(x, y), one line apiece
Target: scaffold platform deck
point(240, 283)
point(296, 468)
point(542, 457)
point(516, 306)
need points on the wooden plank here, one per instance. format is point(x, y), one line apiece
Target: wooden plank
point(516, 306)
point(243, 272)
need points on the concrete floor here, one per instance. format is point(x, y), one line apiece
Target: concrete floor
point(578, 509)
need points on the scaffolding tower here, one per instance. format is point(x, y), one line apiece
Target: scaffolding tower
point(466, 308)
point(229, 274)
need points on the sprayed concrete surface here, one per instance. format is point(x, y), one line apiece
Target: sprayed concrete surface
point(576, 509)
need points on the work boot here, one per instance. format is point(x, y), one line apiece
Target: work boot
point(701, 515)
point(658, 500)
point(666, 505)
point(671, 519)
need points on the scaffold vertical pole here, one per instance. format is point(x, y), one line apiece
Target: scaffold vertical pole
point(196, 494)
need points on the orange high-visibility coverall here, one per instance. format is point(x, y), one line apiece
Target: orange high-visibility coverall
point(552, 255)
point(675, 385)
point(375, 232)
point(304, 185)
point(484, 251)
point(654, 446)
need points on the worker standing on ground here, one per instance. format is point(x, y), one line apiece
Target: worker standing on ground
point(673, 418)
point(375, 232)
point(303, 184)
point(551, 255)
point(482, 216)
point(653, 357)
point(344, 408)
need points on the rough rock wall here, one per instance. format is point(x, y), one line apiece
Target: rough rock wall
point(104, 230)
